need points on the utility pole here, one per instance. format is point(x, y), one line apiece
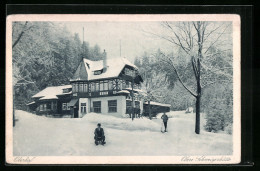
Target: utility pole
point(83, 49)
point(83, 35)
point(133, 102)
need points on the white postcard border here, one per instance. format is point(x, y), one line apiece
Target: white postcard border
point(232, 159)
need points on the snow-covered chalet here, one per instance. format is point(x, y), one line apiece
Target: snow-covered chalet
point(103, 86)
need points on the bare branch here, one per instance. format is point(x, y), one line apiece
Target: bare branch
point(217, 69)
point(208, 34)
point(176, 72)
point(217, 39)
point(170, 39)
point(20, 35)
point(217, 81)
point(181, 45)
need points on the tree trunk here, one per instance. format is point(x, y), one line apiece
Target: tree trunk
point(149, 109)
point(13, 116)
point(13, 107)
point(197, 125)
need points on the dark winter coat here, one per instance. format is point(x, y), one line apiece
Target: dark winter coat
point(99, 133)
point(164, 118)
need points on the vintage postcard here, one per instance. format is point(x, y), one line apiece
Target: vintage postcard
point(123, 89)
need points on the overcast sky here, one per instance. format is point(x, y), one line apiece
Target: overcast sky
point(136, 37)
point(134, 40)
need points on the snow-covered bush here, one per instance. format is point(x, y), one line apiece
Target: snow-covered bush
point(216, 118)
point(214, 122)
point(218, 106)
point(189, 110)
point(229, 129)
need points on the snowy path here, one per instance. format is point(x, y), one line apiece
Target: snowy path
point(41, 136)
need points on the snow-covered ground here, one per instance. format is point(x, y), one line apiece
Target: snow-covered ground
point(42, 136)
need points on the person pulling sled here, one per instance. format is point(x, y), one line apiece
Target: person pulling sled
point(165, 120)
point(99, 135)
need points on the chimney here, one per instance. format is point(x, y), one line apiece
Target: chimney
point(104, 61)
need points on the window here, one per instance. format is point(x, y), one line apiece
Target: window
point(105, 85)
point(98, 72)
point(65, 90)
point(97, 106)
point(101, 86)
point(112, 105)
point(48, 105)
point(110, 85)
point(85, 87)
point(80, 87)
point(41, 107)
point(129, 72)
point(83, 108)
point(73, 87)
point(64, 106)
point(68, 107)
point(89, 87)
point(54, 105)
point(97, 86)
point(44, 107)
point(92, 87)
point(76, 87)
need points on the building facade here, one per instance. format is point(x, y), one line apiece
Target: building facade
point(108, 86)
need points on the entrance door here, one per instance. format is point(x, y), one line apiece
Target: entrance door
point(76, 113)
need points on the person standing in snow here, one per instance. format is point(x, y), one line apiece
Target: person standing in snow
point(165, 119)
point(99, 135)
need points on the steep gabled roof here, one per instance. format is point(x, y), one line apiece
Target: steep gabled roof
point(81, 72)
point(51, 92)
point(114, 68)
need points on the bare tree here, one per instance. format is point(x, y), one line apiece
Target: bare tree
point(25, 28)
point(198, 40)
point(152, 89)
point(16, 73)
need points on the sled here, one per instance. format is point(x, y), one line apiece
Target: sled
point(99, 141)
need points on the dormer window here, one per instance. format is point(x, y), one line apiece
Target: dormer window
point(66, 90)
point(130, 72)
point(87, 65)
point(98, 72)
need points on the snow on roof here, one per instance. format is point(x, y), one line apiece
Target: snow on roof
point(52, 92)
point(30, 103)
point(123, 91)
point(158, 104)
point(114, 68)
point(137, 90)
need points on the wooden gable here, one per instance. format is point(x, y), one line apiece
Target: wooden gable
point(128, 72)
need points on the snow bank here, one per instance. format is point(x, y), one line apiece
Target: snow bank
point(106, 120)
point(42, 136)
